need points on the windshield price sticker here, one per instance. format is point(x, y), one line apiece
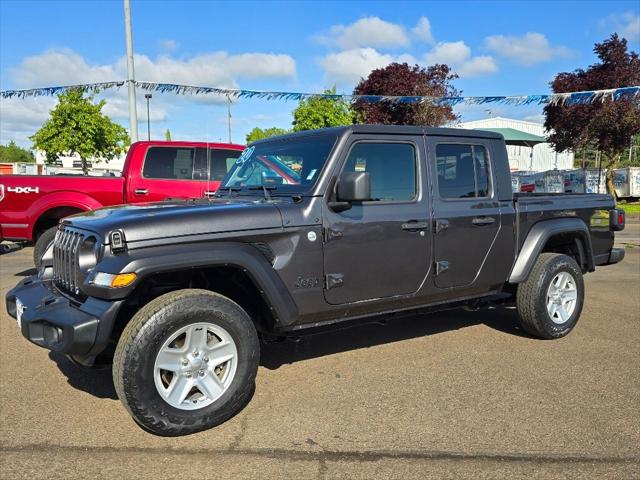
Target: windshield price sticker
point(246, 155)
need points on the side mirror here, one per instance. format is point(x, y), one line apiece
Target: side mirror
point(352, 187)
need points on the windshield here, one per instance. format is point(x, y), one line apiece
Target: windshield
point(287, 165)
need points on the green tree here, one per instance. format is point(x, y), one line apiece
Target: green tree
point(258, 133)
point(631, 156)
point(78, 126)
point(12, 153)
point(167, 135)
point(319, 112)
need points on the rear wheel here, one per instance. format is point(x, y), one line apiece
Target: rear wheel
point(44, 241)
point(550, 301)
point(187, 361)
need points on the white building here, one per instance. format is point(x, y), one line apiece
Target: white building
point(520, 158)
point(73, 164)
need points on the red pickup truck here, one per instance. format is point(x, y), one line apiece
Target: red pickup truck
point(31, 206)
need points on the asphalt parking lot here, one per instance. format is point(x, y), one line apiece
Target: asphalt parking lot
point(452, 395)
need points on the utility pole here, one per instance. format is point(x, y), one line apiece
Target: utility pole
point(131, 76)
point(229, 115)
point(148, 97)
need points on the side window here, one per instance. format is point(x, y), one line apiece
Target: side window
point(175, 163)
point(221, 162)
point(463, 171)
point(482, 171)
point(392, 167)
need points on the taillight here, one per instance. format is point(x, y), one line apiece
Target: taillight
point(616, 219)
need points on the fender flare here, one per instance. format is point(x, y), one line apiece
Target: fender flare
point(538, 236)
point(149, 261)
point(59, 199)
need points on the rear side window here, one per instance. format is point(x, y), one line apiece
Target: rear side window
point(463, 171)
point(392, 167)
point(221, 162)
point(174, 163)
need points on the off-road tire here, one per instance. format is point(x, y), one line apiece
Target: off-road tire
point(45, 239)
point(133, 363)
point(531, 298)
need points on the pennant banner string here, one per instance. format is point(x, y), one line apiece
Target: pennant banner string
point(569, 98)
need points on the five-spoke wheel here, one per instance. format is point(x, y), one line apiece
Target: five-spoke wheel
point(550, 300)
point(195, 366)
point(186, 361)
point(562, 295)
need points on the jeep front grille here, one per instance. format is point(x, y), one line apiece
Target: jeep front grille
point(65, 259)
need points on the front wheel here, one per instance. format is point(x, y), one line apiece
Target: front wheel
point(187, 361)
point(550, 300)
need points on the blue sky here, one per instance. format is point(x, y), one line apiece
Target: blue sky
point(498, 48)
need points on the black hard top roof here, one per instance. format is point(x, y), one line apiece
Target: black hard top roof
point(392, 130)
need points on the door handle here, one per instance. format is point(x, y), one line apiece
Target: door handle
point(141, 191)
point(481, 221)
point(209, 193)
point(414, 226)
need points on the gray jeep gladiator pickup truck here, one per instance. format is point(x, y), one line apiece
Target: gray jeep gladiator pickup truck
point(307, 230)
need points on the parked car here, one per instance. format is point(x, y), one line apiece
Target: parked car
point(378, 220)
point(31, 206)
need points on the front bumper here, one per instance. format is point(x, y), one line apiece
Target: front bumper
point(615, 255)
point(55, 322)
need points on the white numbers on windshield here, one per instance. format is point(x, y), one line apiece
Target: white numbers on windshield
point(246, 155)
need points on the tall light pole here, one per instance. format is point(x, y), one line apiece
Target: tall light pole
point(148, 97)
point(131, 76)
point(229, 115)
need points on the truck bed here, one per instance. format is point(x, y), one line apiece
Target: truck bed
point(592, 208)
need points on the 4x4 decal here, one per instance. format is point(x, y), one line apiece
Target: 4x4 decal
point(23, 189)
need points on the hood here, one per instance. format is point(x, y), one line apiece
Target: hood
point(150, 221)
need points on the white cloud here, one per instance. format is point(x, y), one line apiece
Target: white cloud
point(21, 118)
point(422, 30)
point(62, 67)
point(476, 66)
point(350, 65)
point(626, 24)
point(361, 41)
point(527, 50)
point(117, 107)
point(458, 56)
point(65, 67)
point(168, 45)
point(452, 53)
point(366, 32)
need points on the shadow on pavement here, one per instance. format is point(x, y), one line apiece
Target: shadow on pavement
point(274, 355)
point(97, 382)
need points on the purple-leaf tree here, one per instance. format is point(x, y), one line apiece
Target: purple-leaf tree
point(607, 126)
point(403, 79)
